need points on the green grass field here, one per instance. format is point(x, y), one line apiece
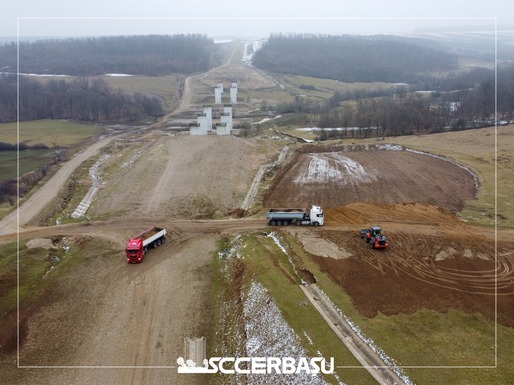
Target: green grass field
point(325, 88)
point(164, 87)
point(29, 161)
point(33, 265)
point(52, 133)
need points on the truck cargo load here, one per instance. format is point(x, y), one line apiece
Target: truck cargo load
point(138, 245)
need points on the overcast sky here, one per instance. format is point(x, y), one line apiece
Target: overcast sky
point(247, 19)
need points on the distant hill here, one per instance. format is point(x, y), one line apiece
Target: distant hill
point(151, 55)
point(351, 58)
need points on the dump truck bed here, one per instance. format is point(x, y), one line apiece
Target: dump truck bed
point(285, 213)
point(148, 233)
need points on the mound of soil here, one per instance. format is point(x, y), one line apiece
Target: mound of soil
point(332, 179)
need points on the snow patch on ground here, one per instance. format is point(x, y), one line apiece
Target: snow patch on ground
point(264, 332)
point(264, 120)
point(334, 167)
point(248, 53)
point(312, 129)
point(445, 254)
point(94, 173)
point(269, 335)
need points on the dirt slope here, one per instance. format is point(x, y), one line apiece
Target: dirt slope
point(179, 176)
point(131, 317)
point(333, 179)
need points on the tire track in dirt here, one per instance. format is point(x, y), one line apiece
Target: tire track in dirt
point(439, 271)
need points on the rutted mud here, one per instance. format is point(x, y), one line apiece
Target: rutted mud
point(411, 274)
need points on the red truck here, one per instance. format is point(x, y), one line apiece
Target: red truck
point(138, 246)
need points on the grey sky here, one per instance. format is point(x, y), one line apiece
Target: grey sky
point(244, 18)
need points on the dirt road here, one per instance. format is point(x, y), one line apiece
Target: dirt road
point(42, 197)
point(180, 176)
point(127, 324)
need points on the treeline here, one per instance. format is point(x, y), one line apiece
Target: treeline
point(22, 146)
point(351, 58)
point(403, 111)
point(90, 100)
point(151, 55)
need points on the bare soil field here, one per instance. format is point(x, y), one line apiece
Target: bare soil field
point(417, 271)
point(435, 260)
point(179, 176)
point(118, 321)
point(333, 179)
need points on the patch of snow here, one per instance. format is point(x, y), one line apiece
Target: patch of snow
point(83, 206)
point(43, 75)
point(390, 147)
point(247, 54)
point(264, 120)
point(269, 335)
point(310, 129)
point(118, 75)
point(445, 254)
point(335, 167)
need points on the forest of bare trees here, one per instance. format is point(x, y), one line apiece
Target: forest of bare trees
point(151, 55)
point(404, 111)
point(351, 58)
point(89, 100)
point(93, 100)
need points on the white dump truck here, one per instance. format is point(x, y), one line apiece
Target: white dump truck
point(282, 217)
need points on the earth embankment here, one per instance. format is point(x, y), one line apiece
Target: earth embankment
point(339, 178)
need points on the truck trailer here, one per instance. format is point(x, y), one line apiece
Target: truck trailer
point(138, 246)
point(282, 217)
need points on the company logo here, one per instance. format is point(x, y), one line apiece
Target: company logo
point(258, 365)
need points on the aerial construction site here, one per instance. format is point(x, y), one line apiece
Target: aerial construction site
point(300, 283)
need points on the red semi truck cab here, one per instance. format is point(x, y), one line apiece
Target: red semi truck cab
point(138, 246)
point(135, 250)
